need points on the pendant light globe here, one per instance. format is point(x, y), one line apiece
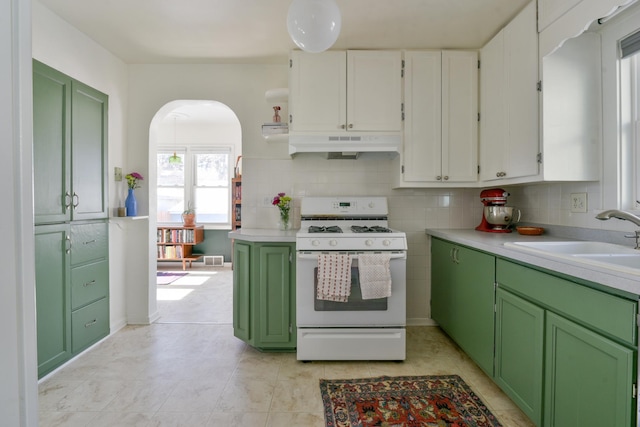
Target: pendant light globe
point(314, 25)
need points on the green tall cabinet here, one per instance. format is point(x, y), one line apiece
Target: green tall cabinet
point(264, 295)
point(70, 211)
point(462, 298)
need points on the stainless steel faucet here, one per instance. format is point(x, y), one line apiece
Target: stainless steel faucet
point(614, 213)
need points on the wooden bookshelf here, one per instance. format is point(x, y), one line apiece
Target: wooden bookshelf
point(176, 243)
point(236, 203)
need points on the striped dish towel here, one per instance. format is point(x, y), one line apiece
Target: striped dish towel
point(375, 275)
point(334, 277)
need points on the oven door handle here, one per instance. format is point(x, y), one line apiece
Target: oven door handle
point(353, 255)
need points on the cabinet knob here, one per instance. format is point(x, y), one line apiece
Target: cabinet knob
point(439, 178)
point(342, 126)
point(350, 125)
point(446, 178)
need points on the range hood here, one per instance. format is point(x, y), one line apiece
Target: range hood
point(345, 146)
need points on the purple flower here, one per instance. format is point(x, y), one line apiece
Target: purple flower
point(132, 180)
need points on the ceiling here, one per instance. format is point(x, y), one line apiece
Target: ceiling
point(254, 31)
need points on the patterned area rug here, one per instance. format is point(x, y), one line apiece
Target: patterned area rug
point(431, 401)
point(166, 277)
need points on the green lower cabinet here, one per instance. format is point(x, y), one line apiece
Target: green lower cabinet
point(589, 378)
point(462, 298)
point(264, 295)
point(242, 291)
point(53, 296)
point(276, 302)
point(520, 352)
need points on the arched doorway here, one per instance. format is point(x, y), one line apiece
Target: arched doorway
point(188, 128)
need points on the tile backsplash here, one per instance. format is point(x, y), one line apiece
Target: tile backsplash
point(411, 210)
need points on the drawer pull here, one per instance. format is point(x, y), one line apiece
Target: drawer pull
point(93, 282)
point(90, 324)
point(89, 242)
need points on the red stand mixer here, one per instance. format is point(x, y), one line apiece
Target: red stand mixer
point(496, 217)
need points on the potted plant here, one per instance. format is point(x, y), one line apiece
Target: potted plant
point(189, 216)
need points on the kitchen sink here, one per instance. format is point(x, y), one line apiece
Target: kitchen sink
point(607, 255)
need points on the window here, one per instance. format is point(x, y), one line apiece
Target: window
point(629, 121)
point(201, 179)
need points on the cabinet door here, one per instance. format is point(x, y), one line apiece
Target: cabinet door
point(51, 144)
point(459, 116)
point(588, 378)
point(89, 152)
point(317, 83)
point(463, 299)
point(274, 282)
point(493, 131)
point(242, 290)
point(509, 115)
point(422, 148)
point(442, 287)
point(374, 90)
point(519, 352)
point(53, 299)
point(521, 78)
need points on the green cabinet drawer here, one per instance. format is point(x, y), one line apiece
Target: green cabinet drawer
point(89, 283)
point(89, 242)
point(612, 315)
point(89, 324)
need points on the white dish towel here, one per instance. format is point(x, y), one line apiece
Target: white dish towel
point(334, 277)
point(375, 275)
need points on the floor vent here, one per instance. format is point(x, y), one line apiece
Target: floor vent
point(214, 261)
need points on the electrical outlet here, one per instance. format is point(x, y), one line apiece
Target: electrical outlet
point(117, 174)
point(578, 202)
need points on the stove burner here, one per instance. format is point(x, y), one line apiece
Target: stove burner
point(372, 229)
point(329, 229)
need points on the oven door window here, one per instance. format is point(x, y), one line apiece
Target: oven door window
point(355, 301)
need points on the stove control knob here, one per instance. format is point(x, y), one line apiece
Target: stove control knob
point(386, 242)
point(315, 242)
point(368, 242)
point(333, 242)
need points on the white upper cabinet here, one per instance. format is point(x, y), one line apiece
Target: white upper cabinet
point(509, 125)
point(342, 91)
point(441, 118)
point(550, 10)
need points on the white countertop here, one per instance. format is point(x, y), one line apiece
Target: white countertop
point(494, 243)
point(264, 235)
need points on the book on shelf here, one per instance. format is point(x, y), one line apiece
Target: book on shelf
point(167, 235)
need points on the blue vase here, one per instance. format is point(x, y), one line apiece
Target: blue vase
point(131, 203)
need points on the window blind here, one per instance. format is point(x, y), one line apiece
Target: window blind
point(630, 44)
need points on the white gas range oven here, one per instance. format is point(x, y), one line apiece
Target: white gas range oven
point(350, 281)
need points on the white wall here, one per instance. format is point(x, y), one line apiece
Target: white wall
point(64, 48)
point(18, 355)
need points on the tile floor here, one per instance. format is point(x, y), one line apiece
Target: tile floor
point(193, 372)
